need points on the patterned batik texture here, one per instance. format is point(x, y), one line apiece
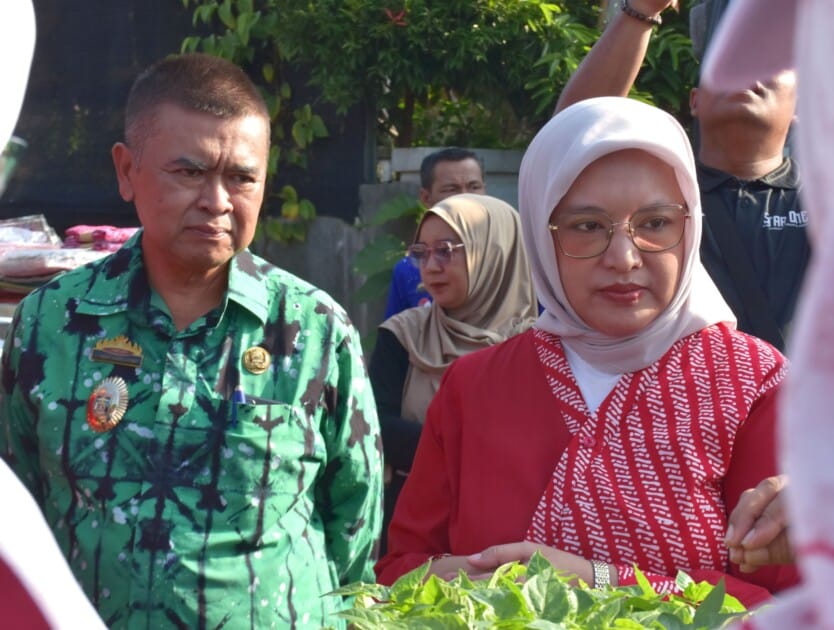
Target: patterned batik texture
point(641, 483)
point(194, 511)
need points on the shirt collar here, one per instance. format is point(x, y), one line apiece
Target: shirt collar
point(121, 283)
point(786, 176)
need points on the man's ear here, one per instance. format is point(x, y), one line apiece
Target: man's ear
point(693, 102)
point(425, 195)
point(123, 160)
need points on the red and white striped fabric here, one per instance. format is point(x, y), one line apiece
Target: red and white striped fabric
point(642, 479)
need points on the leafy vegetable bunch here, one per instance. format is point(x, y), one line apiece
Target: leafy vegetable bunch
point(535, 596)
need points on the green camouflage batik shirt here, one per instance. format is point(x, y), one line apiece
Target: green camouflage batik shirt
point(194, 512)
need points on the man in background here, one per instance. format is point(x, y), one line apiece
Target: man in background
point(754, 244)
point(443, 173)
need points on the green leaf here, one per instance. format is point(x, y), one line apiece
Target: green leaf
point(306, 210)
point(708, 610)
point(397, 208)
point(365, 617)
point(375, 287)
point(405, 588)
point(538, 564)
point(190, 44)
point(288, 193)
point(224, 12)
point(381, 254)
point(685, 583)
point(644, 584)
point(299, 134)
point(245, 22)
point(318, 127)
point(550, 599)
point(268, 72)
point(376, 591)
point(506, 602)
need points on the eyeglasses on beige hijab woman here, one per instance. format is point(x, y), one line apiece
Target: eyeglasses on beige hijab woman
point(621, 429)
point(472, 262)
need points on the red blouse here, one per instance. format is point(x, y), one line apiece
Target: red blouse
point(647, 479)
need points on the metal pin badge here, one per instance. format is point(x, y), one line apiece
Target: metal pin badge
point(107, 404)
point(256, 360)
point(118, 351)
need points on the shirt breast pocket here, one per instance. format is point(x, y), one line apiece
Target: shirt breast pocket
point(270, 455)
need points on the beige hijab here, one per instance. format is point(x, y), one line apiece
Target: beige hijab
point(557, 155)
point(500, 300)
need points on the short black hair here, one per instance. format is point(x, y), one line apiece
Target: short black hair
point(452, 154)
point(195, 82)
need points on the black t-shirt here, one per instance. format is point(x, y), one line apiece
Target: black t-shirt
point(771, 229)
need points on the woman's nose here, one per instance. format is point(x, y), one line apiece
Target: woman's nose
point(622, 253)
point(431, 263)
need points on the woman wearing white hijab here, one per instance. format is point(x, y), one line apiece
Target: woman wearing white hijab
point(622, 428)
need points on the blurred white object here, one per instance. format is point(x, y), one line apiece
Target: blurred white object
point(31, 551)
point(757, 39)
point(27, 546)
point(17, 45)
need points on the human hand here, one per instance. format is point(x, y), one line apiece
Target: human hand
point(757, 533)
point(493, 557)
point(447, 567)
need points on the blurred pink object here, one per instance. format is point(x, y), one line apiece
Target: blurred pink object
point(98, 237)
point(757, 39)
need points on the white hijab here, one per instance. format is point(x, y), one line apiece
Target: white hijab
point(567, 144)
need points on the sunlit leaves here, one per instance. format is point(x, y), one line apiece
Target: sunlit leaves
point(535, 596)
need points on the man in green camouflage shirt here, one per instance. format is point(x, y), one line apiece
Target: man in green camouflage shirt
point(196, 424)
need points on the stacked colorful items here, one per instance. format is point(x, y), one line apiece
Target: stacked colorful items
point(31, 254)
point(98, 237)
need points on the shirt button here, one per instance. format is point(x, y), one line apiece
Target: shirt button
point(587, 441)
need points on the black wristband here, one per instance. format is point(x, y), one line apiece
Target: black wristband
point(625, 7)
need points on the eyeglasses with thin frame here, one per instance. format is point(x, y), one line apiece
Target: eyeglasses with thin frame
point(419, 253)
point(587, 233)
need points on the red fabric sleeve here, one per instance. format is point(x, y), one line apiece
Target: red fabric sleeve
point(754, 458)
point(421, 518)
point(482, 460)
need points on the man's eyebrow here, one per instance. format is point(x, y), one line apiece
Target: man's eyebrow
point(189, 163)
point(193, 164)
point(244, 169)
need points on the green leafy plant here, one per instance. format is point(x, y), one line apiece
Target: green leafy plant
point(377, 259)
point(413, 60)
point(669, 70)
point(249, 37)
point(535, 596)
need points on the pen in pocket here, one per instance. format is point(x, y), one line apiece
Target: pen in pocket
point(238, 398)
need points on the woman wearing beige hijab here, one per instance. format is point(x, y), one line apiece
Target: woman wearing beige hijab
point(472, 262)
point(621, 429)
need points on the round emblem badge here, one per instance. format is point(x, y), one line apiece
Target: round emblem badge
point(256, 360)
point(107, 404)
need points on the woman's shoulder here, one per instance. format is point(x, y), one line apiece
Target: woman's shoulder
point(726, 350)
point(500, 356)
point(722, 334)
